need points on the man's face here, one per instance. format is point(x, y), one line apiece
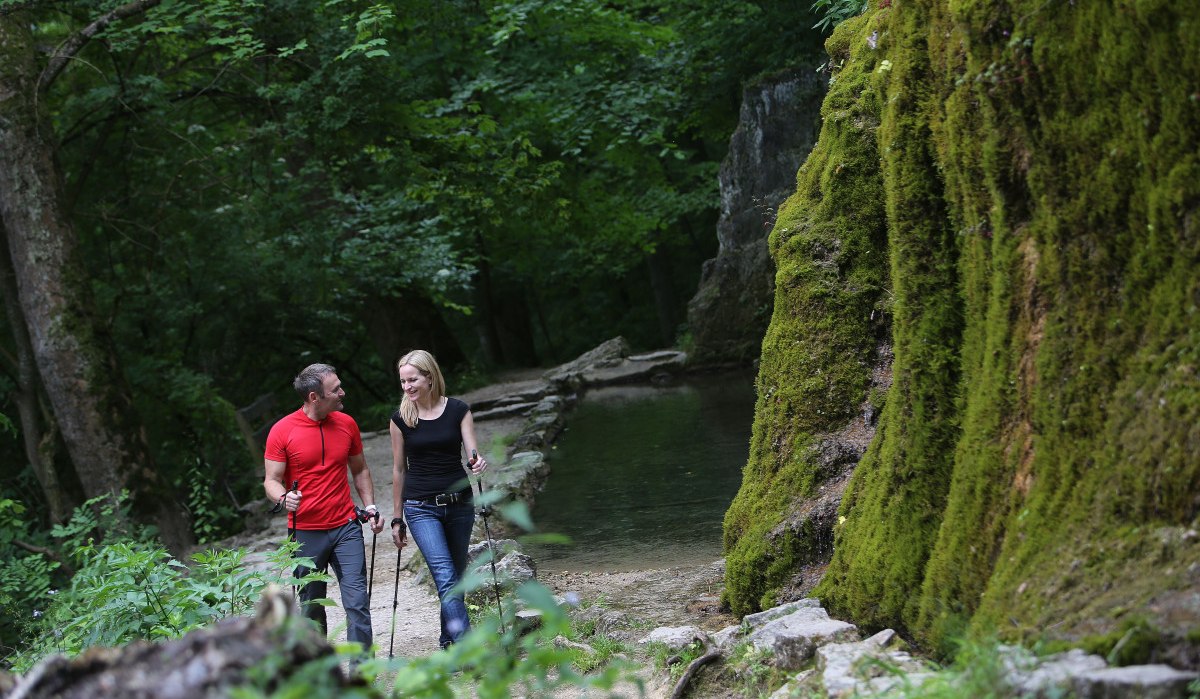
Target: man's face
point(334, 394)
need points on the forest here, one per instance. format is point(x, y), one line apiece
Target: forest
point(201, 197)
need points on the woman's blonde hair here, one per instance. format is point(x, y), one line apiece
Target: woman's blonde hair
point(423, 362)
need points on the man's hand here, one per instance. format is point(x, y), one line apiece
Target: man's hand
point(376, 520)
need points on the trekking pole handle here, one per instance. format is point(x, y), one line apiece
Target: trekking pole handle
point(369, 513)
point(295, 489)
point(484, 510)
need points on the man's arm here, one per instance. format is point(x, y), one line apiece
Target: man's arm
point(366, 489)
point(275, 488)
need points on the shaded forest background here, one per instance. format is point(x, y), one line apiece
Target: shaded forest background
point(231, 190)
point(201, 198)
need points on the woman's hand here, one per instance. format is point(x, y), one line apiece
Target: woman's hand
point(399, 533)
point(478, 465)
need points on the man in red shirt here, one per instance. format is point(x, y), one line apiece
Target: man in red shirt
point(314, 446)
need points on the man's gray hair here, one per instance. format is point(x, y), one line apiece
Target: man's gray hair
point(311, 379)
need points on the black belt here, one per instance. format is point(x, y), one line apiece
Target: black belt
point(443, 499)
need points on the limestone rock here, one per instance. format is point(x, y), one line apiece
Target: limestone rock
point(608, 353)
point(795, 637)
point(1142, 681)
point(866, 667)
point(1030, 675)
point(757, 619)
point(777, 127)
point(673, 637)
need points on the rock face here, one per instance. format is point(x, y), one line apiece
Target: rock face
point(1025, 475)
point(778, 126)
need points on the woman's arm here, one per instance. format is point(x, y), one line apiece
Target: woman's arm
point(478, 464)
point(399, 469)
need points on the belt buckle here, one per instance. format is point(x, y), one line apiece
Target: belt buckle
point(441, 500)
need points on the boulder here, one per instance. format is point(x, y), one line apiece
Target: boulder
point(867, 667)
point(794, 637)
point(673, 637)
point(1142, 681)
point(608, 353)
point(1030, 675)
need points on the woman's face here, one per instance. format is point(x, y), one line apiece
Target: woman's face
point(414, 384)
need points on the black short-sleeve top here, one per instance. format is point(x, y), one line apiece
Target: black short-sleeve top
point(433, 450)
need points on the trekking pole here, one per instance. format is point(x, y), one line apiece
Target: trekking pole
point(396, 595)
point(363, 516)
point(484, 511)
point(291, 535)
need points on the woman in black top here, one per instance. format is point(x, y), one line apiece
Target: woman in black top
point(429, 433)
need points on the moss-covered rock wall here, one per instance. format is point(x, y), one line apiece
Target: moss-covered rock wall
point(824, 338)
point(1034, 472)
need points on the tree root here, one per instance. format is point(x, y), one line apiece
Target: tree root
point(709, 655)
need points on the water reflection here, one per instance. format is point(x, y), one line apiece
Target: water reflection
point(643, 475)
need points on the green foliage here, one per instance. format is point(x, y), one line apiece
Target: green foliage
point(1133, 642)
point(977, 670)
point(25, 578)
point(834, 12)
point(34, 561)
point(492, 664)
point(523, 164)
point(128, 590)
point(211, 519)
point(604, 649)
point(752, 670)
point(674, 662)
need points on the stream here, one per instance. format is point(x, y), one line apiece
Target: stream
point(642, 475)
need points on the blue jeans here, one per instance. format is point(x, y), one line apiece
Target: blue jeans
point(443, 533)
point(344, 549)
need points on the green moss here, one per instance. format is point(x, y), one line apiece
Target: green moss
point(1078, 411)
point(1133, 643)
point(831, 259)
point(894, 503)
point(1033, 467)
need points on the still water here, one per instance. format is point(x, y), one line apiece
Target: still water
point(642, 475)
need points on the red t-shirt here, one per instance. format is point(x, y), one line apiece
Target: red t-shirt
point(317, 454)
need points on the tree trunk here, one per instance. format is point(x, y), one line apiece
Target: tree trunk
point(512, 321)
point(485, 319)
point(40, 437)
point(666, 304)
point(77, 367)
point(398, 325)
